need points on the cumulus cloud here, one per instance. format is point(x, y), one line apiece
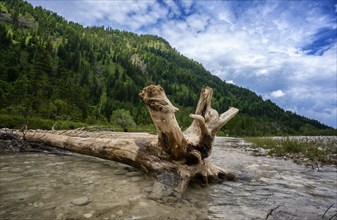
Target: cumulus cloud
point(275, 48)
point(277, 94)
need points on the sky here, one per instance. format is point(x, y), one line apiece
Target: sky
point(283, 50)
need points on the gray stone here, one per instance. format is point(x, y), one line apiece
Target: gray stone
point(38, 204)
point(135, 179)
point(16, 170)
point(88, 215)
point(81, 201)
point(120, 213)
point(143, 204)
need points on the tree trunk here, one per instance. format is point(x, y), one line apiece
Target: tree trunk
point(175, 157)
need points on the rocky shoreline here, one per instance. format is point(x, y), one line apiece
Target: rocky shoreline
point(298, 158)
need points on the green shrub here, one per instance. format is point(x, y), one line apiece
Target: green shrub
point(16, 122)
point(39, 123)
point(11, 121)
point(314, 148)
point(292, 145)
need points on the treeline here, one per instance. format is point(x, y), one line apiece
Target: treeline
point(60, 70)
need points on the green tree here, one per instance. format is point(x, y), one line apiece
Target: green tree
point(60, 69)
point(15, 18)
point(122, 118)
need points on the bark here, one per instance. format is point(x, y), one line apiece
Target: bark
point(174, 157)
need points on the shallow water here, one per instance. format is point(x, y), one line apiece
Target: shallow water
point(72, 186)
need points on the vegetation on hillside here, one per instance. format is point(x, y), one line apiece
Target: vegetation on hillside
point(122, 118)
point(59, 70)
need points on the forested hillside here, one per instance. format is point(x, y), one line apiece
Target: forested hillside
point(59, 70)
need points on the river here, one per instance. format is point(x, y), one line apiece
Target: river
point(43, 186)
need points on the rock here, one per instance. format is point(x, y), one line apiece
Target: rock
point(116, 204)
point(134, 200)
point(120, 213)
point(143, 204)
point(16, 170)
point(135, 179)
point(27, 174)
point(38, 204)
point(158, 190)
point(81, 201)
point(263, 152)
point(88, 215)
point(260, 152)
point(169, 199)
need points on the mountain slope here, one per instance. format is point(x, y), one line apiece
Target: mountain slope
point(57, 69)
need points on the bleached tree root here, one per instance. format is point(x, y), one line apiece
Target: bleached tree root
point(137, 152)
point(175, 158)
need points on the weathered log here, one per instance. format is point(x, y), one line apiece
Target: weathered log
point(175, 158)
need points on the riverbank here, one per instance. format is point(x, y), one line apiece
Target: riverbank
point(37, 185)
point(313, 151)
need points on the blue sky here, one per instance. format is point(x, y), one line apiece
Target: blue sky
point(284, 50)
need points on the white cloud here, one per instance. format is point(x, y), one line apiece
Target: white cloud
point(173, 8)
point(262, 72)
point(197, 22)
point(277, 94)
point(131, 15)
point(258, 45)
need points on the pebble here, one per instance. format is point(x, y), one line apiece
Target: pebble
point(38, 204)
point(120, 213)
point(143, 204)
point(169, 199)
point(132, 201)
point(260, 152)
point(88, 215)
point(27, 174)
point(135, 179)
point(81, 201)
point(16, 170)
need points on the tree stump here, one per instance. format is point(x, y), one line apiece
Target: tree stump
point(175, 157)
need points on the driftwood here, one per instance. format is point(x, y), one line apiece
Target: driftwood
point(174, 157)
